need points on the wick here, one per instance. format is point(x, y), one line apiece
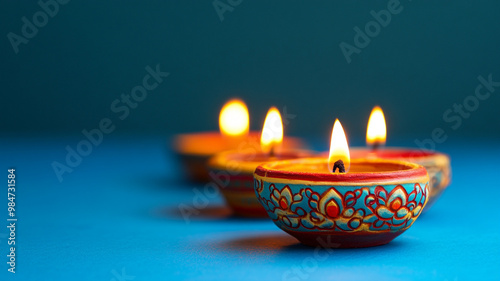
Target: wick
point(376, 145)
point(340, 165)
point(271, 152)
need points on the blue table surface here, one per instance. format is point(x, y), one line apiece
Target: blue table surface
point(116, 217)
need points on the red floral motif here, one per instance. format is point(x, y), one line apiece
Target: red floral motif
point(395, 209)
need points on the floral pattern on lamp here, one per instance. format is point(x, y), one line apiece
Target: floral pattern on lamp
point(375, 208)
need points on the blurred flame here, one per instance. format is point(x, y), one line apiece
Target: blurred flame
point(377, 132)
point(272, 132)
point(234, 119)
point(339, 149)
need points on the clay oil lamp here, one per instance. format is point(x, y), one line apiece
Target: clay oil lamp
point(337, 202)
point(437, 164)
point(232, 171)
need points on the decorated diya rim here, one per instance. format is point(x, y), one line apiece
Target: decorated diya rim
point(380, 171)
point(246, 162)
point(421, 156)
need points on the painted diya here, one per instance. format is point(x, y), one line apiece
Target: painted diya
point(437, 164)
point(333, 202)
point(232, 171)
point(193, 150)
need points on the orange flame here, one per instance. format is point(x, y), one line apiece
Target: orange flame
point(272, 132)
point(376, 132)
point(234, 119)
point(339, 149)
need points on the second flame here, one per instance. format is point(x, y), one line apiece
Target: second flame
point(376, 132)
point(272, 132)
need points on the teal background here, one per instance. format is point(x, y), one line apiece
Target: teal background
point(283, 53)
